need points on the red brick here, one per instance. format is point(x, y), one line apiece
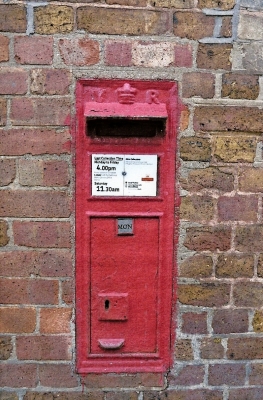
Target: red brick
point(204, 294)
point(235, 266)
point(40, 111)
point(238, 208)
point(211, 349)
point(240, 86)
point(215, 118)
point(3, 112)
point(6, 348)
point(249, 238)
point(195, 148)
point(37, 172)
point(43, 347)
point(192, 25)
point(12, 18)
point(230, 321)
point(13, 81)
point(68, 395)
point(197, 208)
point(50, 81)
point(34, 141)
point(4, 48)
point(43, 263)
point(187, 376)
point(7, 171)
point(227, 374)
point(197, 266)
point(33, 50)
point(4, 238)
point(194, 323)
point(79, 52)
point(214, 56)
point(246, 394)
point(198, 84)
point(183, 349)
point(209, 178)
point(17, 319)
point(242, 294)
point(59, 375)
point(191, 394)
point(55, 320)
point(42, 234)
point(55, 173)
point(28, 291)
point(256, 374)
point(117, 21)
point(208, 238)
point(26, 203)
point(117, 381)
point(121, 396)
point(118, 53)
point(183, 55)
point(18, 375)
point(67, 292)
point(245, 348)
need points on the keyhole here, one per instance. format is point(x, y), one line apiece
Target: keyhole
point(107, 304)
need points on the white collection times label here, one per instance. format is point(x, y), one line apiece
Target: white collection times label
point(124, 175)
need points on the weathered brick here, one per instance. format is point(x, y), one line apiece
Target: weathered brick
point(230, 321)
point(205, 294)
point(234, 266)
point(183, 55)
point(50, 81)
point(187, 376)
point(6, 347)
point(55, 320)
point(258, 321)
point(12, 18)
point(235, 149)
point(13, 80)
point(191, 394)
point(131, 3)
point(197, 208)
point(211, 348)
point(217, 4)
point(249, 238)
point(42, 234)
point(4, 238)
point(240, 86)
point(43, 263)
point(245, 348)
point(242, 294)
point(52, 19)
point(121, 396)
point(251, 180)
point(4, 48)
point(260, 266)
point(34, 141)
point(152, 55)
point(227, 374)
point(250, 26)
point(197, 266)
point(120, 21)
point(184, 118)
point(79, 52)
point(209, 178)
point(43, 173)
point(194, 323)
point(7, 171)
point(6, 395)
point(183, 350)
point(39, 203)
point(117, 381)
point(208, 238)
point(57, 375)
point(214, 56)
point(43, 347)
point(198, 84)
point(256, 374)
point(195, 149)
point(67, 292)
point(118, 53)
point(28, 291)
point(17, 319)
point(40, 111)
point(68, 395)
point(226, 28)
point(18, 375)
point(180, 4)
point(3, 112)
point(193, 25)
point(33, 50)
point(252, 56)
point(246, 394)
point(216, 119)
point(238, 208)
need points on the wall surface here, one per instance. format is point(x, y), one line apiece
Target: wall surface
point(213, 49)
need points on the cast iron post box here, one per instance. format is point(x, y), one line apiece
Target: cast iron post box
point(125, 213)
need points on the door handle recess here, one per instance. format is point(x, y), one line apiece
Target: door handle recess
point(111, 344)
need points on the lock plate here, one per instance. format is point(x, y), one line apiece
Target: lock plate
point(113, 306)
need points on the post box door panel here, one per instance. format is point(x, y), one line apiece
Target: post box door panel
point(124, 280)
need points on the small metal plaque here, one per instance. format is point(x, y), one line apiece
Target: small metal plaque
point(125, 226)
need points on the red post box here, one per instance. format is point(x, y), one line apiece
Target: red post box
point(125, 213)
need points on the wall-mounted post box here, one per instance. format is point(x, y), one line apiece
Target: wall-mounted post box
point(125, 212)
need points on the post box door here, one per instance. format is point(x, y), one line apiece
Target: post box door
point(124, 279)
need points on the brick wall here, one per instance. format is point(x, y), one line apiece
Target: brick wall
point(213, 49)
